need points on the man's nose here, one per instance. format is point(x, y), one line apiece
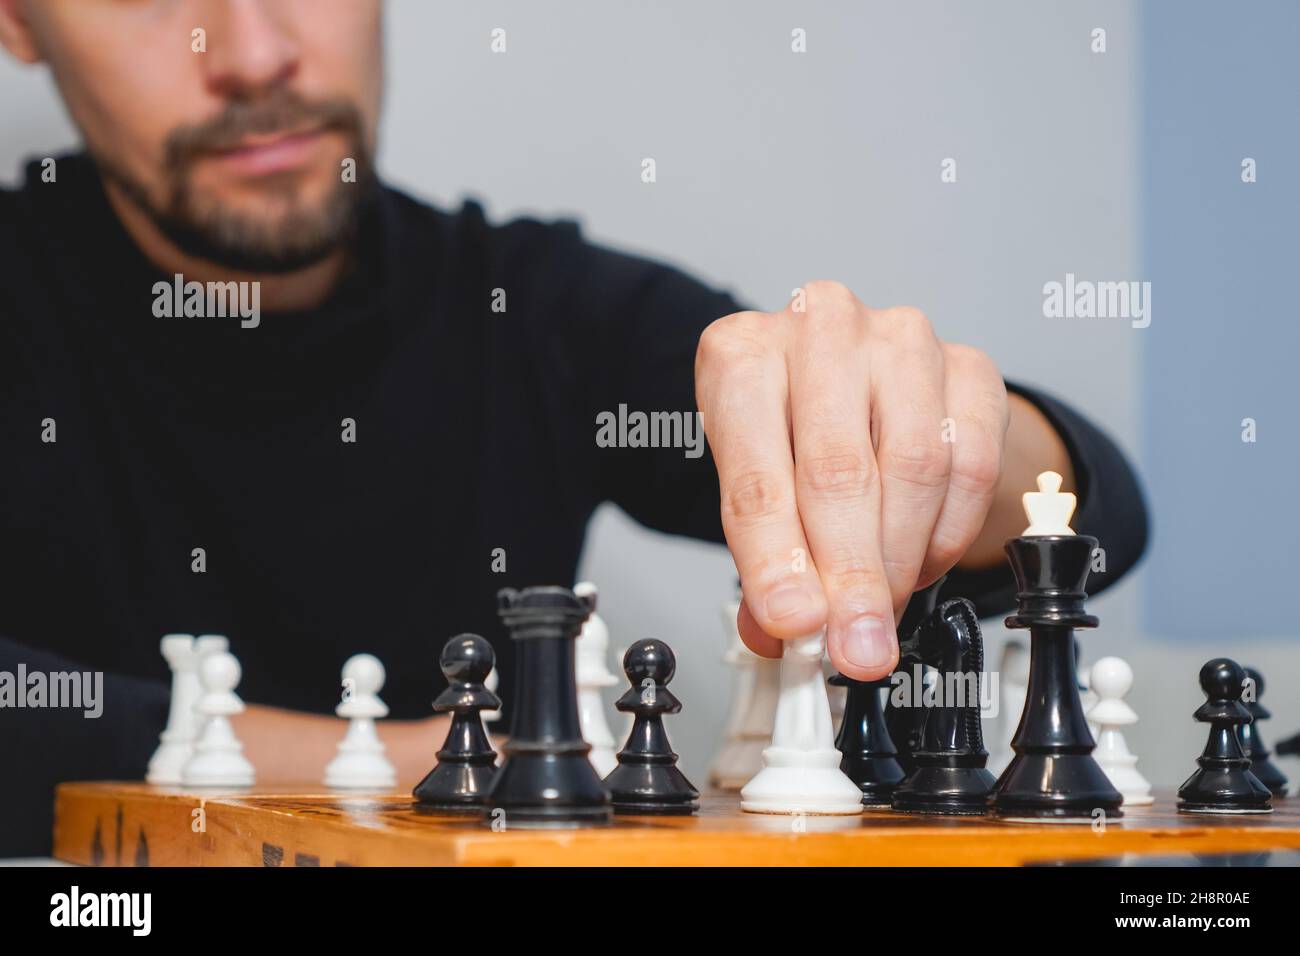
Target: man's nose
point(250, 46)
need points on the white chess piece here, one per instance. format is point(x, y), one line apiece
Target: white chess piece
point(1013, 685)
point(801, 769)
point(1087, 697)
point(176, 742)
point(360, 763)
point(629, 718)
point(492, 682)
point(205, 645)
point(183, 654)
point(758, 691)
point(740, 659)
point(1049, 508)
point(218, 759)
point(1111, 679)
point(592, 649)
point(838, 694)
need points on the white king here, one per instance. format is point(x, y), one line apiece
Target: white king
point(1049, 508)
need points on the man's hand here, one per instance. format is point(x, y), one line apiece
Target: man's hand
point(858, 458)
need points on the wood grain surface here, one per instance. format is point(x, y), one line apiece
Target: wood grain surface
point(134, 824)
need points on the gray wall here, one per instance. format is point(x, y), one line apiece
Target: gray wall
point(774, 168)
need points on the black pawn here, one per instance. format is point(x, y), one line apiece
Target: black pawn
point(545, 779)
point(869, 755)
point(1223, 783)
point(466, 762)
point(646, 779)
point(1252, 744)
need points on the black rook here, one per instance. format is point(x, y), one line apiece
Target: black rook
point(546, 779)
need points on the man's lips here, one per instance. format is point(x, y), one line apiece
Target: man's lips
point(274, 153)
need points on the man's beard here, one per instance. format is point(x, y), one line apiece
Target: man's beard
point(298, 237)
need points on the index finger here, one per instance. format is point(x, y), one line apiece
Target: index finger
point(742, 390)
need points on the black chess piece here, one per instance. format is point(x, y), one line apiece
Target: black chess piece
point(466, 763)
point(646, 779)
point(903, 724)
point(1289, 747)
point(949, 774)
point(870, 759)
point(545, 779)
point(1053, 775)
point(1223, 782)
point(1252, 744)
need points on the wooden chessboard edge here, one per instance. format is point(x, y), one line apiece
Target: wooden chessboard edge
point(105, 823)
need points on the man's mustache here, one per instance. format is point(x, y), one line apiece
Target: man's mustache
point(282, 112)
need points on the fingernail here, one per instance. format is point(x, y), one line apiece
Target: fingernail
point(786, 601)
point(868, 643)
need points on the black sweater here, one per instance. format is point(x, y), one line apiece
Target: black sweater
point(475, 431)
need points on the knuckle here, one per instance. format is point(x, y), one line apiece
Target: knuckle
point(945, 550)
point(976, 466)
point(925, 464)
point(978, 366)
point(968, 357)
point(731, 339)
point(837, 472)
point(850, 571)
point(830, 299)
point(904, 320)
point(754, 495)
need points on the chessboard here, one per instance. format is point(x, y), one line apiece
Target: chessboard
point(557, 794)
point(135, 824)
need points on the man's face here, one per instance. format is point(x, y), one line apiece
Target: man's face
point(236, 152)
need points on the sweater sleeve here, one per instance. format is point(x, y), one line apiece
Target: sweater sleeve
point(109, 733)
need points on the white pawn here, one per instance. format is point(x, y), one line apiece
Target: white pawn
point(1013, 678)
point(360, 763)
point(1087, 696)
point(801, 769)
point(1111, 679)
point(592, 649)
point(183, 653)
point(218, 759)
point(177, 739)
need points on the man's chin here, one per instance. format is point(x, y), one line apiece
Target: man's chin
point(257, 246)
point(280, 234)
point(272, 226)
